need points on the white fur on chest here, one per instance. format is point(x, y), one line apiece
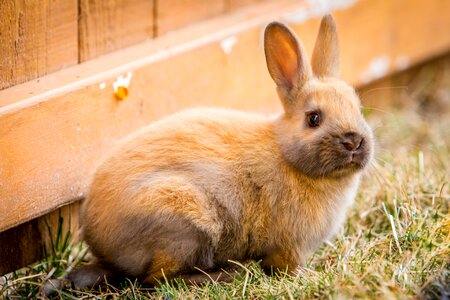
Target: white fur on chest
point(339, 211)
point(329, 211)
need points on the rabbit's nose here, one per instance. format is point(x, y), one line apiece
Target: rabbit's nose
point(352, 141)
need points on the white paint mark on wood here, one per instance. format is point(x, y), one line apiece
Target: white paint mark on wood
point(315, 8)
point(102, 85)
point(228, 43)
point(402, 62)
point(377, 68)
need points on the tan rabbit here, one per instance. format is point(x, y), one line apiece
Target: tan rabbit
point(205, 186)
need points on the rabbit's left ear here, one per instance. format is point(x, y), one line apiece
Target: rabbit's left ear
point(325, 58)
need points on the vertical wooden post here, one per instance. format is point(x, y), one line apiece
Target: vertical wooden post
point(108, 25)
point(36, 38)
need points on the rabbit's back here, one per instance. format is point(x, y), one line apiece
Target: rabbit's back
point(206, 145)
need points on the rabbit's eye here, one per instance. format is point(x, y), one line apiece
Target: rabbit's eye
point(313, 119)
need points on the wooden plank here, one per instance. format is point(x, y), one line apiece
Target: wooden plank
point(51, 141)
point(108, 25)
point(36, 38)
point(424, 20)
point(231, 5)
point(389, 36)
point(25, 249)
point(24, 244)
point(175, 14)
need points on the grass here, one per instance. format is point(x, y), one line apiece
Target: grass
point(394, 245)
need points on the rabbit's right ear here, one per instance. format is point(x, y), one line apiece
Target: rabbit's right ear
point(285, 57)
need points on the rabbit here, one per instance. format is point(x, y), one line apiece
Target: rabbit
point(205, 186)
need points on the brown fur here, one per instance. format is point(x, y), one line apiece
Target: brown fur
point(205, 186)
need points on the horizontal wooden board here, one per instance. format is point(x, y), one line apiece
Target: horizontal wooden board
point(54, 132)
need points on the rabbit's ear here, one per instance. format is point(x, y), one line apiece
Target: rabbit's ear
point(285, 57)
point(325, 58)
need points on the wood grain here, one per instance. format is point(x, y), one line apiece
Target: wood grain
point(174, 14)
point(108, 25)
point(36, 38)
point(25, 248)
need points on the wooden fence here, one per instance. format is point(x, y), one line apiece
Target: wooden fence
point(60, 60)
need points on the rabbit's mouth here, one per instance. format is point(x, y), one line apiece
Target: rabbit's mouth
point(347, 162)
point(354, 165)
point(346, 169)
